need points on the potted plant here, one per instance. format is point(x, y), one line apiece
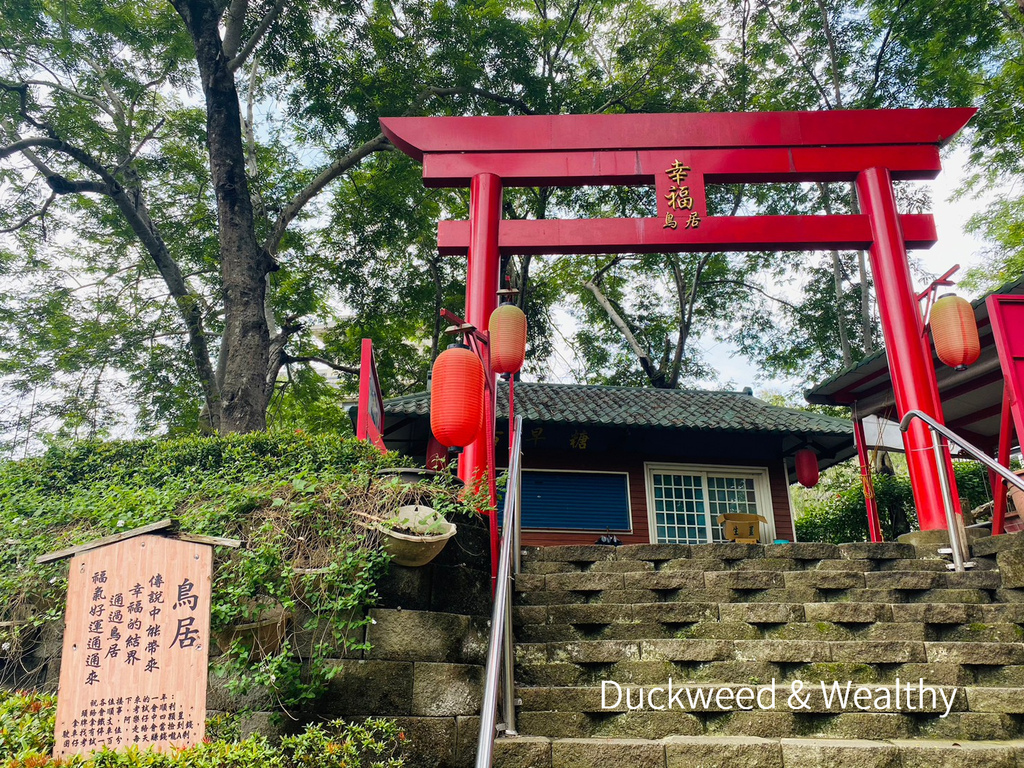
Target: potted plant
point(416, 535)
point(262, 636)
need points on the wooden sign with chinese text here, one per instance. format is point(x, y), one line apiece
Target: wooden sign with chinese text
point(136, 639)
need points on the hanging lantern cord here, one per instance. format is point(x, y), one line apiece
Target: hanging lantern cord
point(511, 412)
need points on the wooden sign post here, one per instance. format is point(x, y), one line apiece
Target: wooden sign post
point(136, 643)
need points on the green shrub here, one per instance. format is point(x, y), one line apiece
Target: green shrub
point(838, 514)
point(26, 741)
point(304, 506)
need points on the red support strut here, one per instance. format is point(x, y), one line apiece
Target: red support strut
point(482, 278)
point(874, 524)
point(910, 360)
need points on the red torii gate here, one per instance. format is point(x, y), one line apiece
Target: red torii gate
point(679, 154)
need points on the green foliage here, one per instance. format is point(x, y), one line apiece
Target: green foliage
point(304, 506)
point(26, 741)
point(837, 513)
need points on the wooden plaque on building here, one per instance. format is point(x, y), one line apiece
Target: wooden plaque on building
point(136, 640)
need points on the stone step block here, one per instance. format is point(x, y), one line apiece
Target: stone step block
point(716, 751)
point(588, 613)
point(829, 753)
point(744, 580)
point(555, 633)
point(826, 580)
point(902, 579)
point(849, 613)
point(804, 630)
point(933, 565)
point(762, 613)
point(864, 725)
point(698, 564)
point(727, 550)
point(548, 566)
point(621, 566)
point(645, 725)
point(531, 582)
point(972, 580)
point(957, 754)
point(664, 580)
point(803, 550)
point(597, 651)
point(656, 553)
point(988, 654)
point(522, 752)
point(1009, 701)
point(857, 566)
point(529, 614)
point(677, 613)
point(687, 650)
point(976, 632)
point(973, 726)
point(588, 581)
point(783, 651)
point(866, 550)
point(733, 751)
point(573, 553)
point(780, 564)
point(720, 630)
point(879, 652)
point(608, 753)
point(975, 596)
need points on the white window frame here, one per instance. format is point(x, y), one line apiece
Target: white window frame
point(762, 491)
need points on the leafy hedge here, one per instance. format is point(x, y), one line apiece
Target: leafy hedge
point(840, 514)
point(26, 741)
point(303, 505)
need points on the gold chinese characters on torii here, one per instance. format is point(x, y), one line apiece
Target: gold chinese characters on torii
point(679, 198)
point(136, 642)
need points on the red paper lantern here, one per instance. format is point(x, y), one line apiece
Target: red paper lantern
point(955, 331)
point(457, 397)
point(507, 328)
point(807, 467)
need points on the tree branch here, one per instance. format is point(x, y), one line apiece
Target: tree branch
point(253, 41)
point(325, 177)
point(616, 318)
point(36, 215)
point(324, 361)
point(233, 23)
point(799, 56)
point(138, 148)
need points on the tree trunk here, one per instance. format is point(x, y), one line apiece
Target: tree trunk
point(245, 346)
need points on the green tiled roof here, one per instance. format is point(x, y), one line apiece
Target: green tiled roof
point(644, 407)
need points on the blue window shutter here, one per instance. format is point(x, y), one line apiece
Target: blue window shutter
point(575, 501)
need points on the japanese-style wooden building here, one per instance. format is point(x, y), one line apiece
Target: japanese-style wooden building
point(646, 465)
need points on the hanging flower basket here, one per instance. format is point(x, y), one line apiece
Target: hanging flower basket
point(416, 535)
point(263, 637)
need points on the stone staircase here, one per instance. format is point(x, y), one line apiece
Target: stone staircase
point(746, 636)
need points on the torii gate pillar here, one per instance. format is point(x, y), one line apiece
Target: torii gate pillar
point(678, 155)
point(906, 345)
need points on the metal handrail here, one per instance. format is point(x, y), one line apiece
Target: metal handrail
point(499, 649)
point(938, 432)
point(977, 453)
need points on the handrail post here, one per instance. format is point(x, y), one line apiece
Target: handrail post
point(499, 667)
point(938, 432)
point(947, 503)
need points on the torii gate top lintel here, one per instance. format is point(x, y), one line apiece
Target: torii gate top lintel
point(680, 154)
point(422, 136)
